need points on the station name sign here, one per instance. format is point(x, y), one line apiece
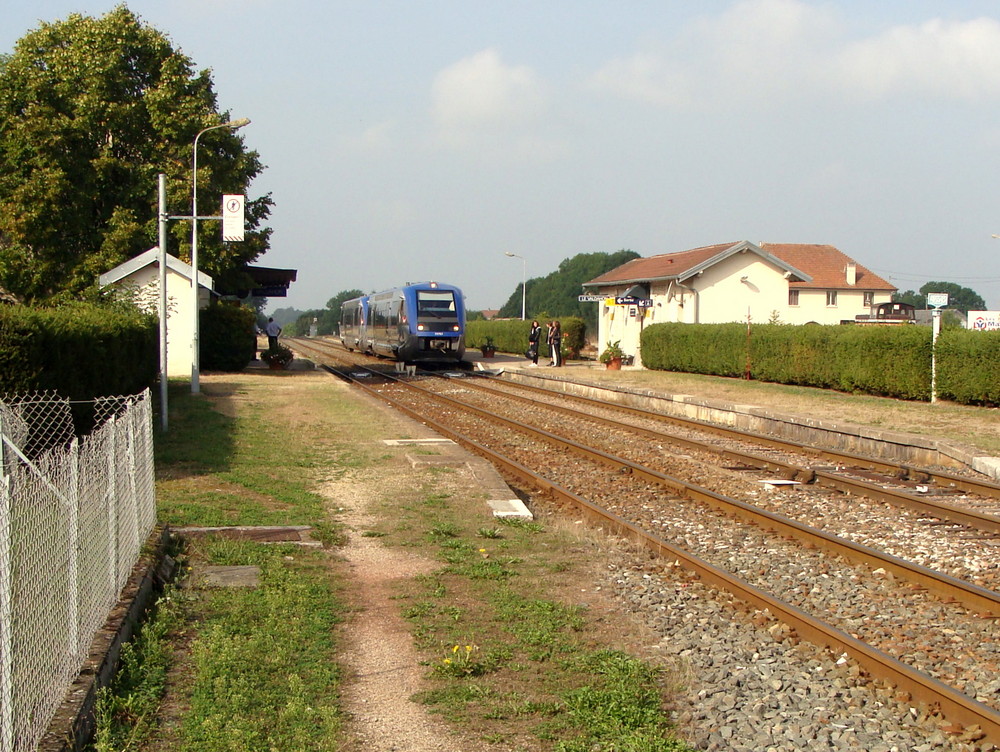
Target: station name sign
point(630, 300)
point(623, 301)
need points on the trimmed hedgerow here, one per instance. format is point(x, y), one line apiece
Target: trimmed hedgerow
point(882, 360)
point(968, 366)
point(81, 351)
point(511, 335)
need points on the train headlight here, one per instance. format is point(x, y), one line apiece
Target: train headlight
point(420, 327)
point(455, 328)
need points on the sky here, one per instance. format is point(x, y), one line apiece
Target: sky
point(408, 141)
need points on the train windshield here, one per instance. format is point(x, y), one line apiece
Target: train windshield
point(437, 303)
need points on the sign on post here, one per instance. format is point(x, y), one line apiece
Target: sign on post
point(233, 220)
point(937, 299)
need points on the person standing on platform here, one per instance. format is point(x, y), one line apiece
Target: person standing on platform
point(555, 343)
point(273, 330)
point(533, 339)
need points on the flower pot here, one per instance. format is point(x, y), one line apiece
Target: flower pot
point(489, 352)
point(615, 364)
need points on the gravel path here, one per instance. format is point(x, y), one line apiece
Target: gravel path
point(384, 667)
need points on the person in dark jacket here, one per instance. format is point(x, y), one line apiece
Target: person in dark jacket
point(555, 343)
point(533, 338)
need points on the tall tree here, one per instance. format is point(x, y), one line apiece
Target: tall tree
point(556, 294)
point(910, 297)
point(91, 109)
point(960, 298)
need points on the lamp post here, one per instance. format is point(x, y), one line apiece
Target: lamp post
point(524, 279)
point(195, 354)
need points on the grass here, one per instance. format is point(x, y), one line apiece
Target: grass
point(264, 671)
point(509, 660)
point(252, 668)
point(513, 658)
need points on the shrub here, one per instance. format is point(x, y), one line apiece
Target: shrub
point(79, 351)
point(511, 335)
point(226, 337)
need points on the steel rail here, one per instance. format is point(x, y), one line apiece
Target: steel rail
point(940, 477)
point(956, 706)
point(969, 517)
point(974, 597)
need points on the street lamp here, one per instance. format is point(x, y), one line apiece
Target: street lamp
point(524, 279)
point(195, 353)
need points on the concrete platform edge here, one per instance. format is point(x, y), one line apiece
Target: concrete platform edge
point(886, 444)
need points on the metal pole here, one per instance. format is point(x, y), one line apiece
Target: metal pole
point(163, 298)
point(524, 285)
point(935, 329)
point(196, 309)
point(6, 605)
point(524, 280)
point(195, 352)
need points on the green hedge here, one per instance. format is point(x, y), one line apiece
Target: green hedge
point(891, 361)
point(80, 351)
point(968, 366)
point(226, 340)
point(511, 335)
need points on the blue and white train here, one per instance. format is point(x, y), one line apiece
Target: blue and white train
point(418, 323)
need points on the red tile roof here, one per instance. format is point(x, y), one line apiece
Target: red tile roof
point(826, 265)
point(664, 266)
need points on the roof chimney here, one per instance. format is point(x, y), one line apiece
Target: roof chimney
point(852, 273)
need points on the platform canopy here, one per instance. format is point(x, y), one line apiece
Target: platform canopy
point(266, 283)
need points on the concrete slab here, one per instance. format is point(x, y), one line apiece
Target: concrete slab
point(418, 442)
point(298, 534)
point(510, 508)
point(227, 577)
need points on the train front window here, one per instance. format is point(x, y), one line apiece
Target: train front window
point(436, 303)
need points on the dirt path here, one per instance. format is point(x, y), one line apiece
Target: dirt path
point(383, 667)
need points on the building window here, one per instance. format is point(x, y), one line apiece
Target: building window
point(831, 298)
point(793, 297)
point(869, 300)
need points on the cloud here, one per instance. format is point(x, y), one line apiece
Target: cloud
point(483, 94)
point(766, 50)
point(376, 140)
point(951, 60)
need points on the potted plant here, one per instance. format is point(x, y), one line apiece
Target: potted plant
point(277, 357)
point(612, 356)
point(489, 349)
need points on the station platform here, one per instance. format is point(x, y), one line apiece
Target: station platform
point(918, 433)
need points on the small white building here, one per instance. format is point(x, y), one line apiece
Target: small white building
point(780, 282)
point(139, 279)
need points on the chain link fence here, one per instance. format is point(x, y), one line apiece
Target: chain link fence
point(74, 514)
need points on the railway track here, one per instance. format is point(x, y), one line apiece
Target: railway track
point(627, 496)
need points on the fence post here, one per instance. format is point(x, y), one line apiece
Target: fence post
point(73, 555)
point(112, 509)
point(133, 498)
point(6, 610)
